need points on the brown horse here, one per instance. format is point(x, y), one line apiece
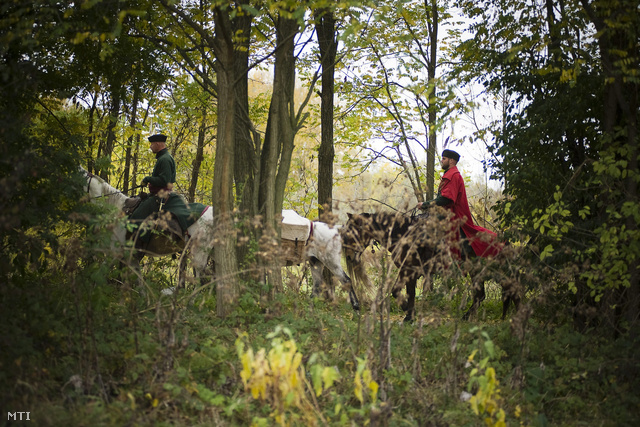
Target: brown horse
point(419, 246)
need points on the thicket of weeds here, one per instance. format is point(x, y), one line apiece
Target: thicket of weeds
point(88, 340)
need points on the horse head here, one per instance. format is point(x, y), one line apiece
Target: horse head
point(87, 187)
point(98, 188)
point(94, 187)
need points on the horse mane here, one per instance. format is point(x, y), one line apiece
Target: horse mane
point(384, 224)
point(103, 189)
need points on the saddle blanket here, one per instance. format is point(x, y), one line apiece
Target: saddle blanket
point(295, 227)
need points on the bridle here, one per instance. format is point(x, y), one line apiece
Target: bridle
point(91, 176)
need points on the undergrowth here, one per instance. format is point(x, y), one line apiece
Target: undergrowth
point(87, 340)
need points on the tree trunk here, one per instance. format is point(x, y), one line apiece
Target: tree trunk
point(130, 141)
point(285, 117)
point(106, 149)
point(92, 138)
point(326, 31)
point(325, 28)
point(224, 253)
point(431, 74)
point(136, 152)
point(276, 154)
point(621, 112)
point(247, 150)
point(197, 160)
point(248, 141)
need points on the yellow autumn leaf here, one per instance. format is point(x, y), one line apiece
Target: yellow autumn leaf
point(373, 386)
point(358, 387)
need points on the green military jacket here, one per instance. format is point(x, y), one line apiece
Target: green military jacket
point(164, 172)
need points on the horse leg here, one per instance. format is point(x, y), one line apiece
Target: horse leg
point(182, 271)
point(506, 302)
point(318, 280)
point(348, 284)
point(515, 298)
point(353, 298)
point(316, 274)
point(134, 262)
point(129, 265)
point(479, 295)
point(411, 300)
point(408, 305)
point(509, 296)
point(200, 248)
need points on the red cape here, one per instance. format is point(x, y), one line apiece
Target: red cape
point(484, 242)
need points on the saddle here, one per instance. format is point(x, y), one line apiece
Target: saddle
point(164, 223)
point(131, 204)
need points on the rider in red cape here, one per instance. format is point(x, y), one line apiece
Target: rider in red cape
point(452, 195)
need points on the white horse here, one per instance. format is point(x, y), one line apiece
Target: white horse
point(199, 234)
point(323, 249)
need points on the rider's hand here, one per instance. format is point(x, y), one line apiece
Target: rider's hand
point(424, 205)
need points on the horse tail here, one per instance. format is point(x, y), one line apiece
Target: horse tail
point(360, 280)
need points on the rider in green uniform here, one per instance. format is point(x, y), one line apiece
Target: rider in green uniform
point(160, 184)
point(162, 177)
point(164, 171)
point(160, 181)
